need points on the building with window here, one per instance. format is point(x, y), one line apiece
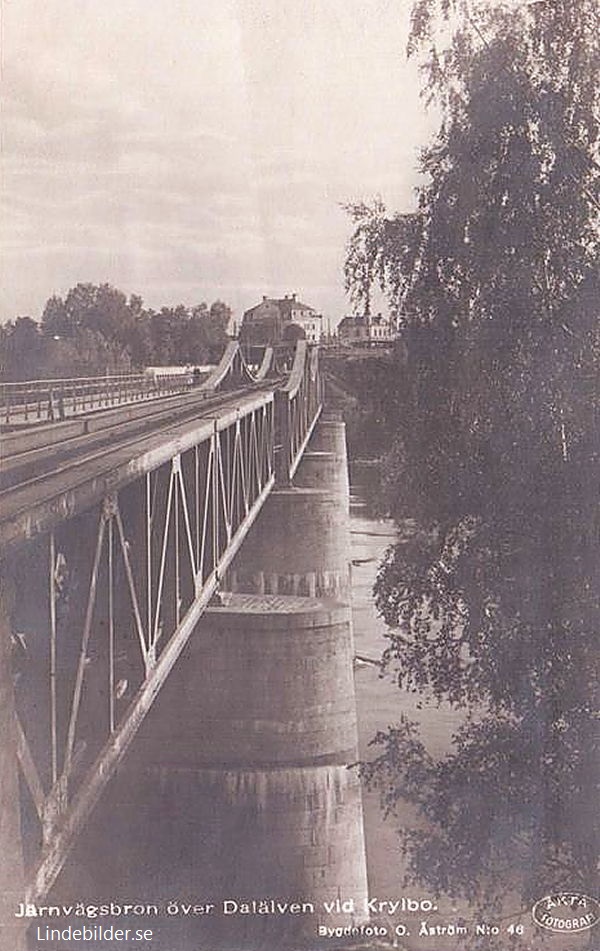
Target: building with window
point(375, 329)
point(273, 319)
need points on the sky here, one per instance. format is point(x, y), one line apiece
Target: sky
point(188, 150)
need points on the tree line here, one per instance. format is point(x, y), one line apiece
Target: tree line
point(97, 329)
point(493, 605)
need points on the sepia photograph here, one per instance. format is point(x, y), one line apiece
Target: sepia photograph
point(299, 475)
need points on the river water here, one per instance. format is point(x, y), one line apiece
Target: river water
point(380, 705)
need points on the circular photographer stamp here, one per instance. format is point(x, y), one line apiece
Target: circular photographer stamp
point(566, 912)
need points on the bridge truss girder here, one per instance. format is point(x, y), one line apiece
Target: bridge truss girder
point(298, 405)
point(126, 583)
point(111, 576)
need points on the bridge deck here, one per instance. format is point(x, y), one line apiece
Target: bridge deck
point(104, 462)
point(44, 433)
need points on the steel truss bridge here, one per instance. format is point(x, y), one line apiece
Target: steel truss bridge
point(116, 529)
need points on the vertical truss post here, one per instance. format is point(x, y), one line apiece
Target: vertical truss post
point(188, 528)
point(148, 513)
point(208, 494)
point(163, 558)
point(111, 631)
point(176, 466)
point(53, 710)
point(215, 496)
point(197, 507)
point(11, 853)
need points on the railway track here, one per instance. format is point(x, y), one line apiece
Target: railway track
point(39, 473)
point(22, 467)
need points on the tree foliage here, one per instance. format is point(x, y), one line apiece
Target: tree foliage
point(494, 606)
point(96, 329)
point(368, 386)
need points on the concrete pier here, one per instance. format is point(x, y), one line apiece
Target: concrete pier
point(329, 438)
point(297, 547)
point(248, 753)
point(266, 681)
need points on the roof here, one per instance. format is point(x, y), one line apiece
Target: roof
point(285, 305)
point(350, 321)
point(353, 320)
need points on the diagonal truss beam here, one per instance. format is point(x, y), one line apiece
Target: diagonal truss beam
point(56, 851)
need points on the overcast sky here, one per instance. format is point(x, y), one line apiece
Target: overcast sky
point(193, 149)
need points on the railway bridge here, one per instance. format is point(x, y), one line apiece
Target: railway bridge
point(175, 641)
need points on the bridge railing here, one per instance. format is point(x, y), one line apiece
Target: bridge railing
point(49, 400)
point(55, 399)
point(298, 405)
point(112, 577)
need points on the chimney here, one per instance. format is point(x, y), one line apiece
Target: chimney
point(293, 297)
point(264, 298)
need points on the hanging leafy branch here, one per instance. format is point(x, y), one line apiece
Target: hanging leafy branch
point(494, 606)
